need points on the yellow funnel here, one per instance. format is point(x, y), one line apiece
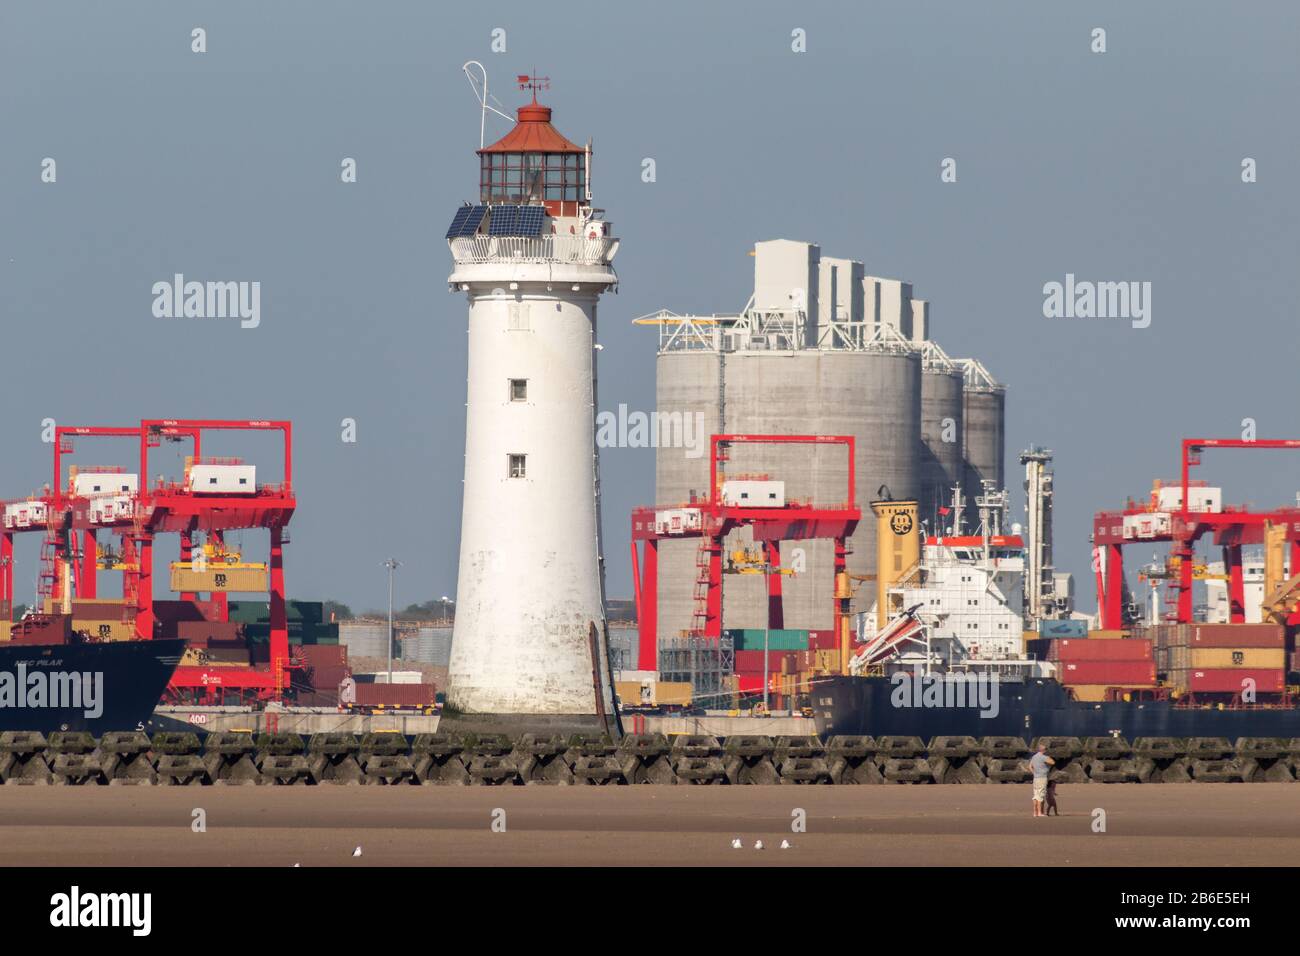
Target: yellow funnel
point(898, 548)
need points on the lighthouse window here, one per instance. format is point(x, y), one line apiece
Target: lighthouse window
point(518, 467)
point(517, 177)
point(519, 390)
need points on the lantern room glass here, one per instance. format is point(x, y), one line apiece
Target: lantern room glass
point(532, 177)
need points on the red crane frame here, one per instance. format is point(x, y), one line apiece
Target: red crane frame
point(770, 526)
point(169, 507)
point(1232, 528)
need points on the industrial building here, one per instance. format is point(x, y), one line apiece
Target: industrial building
point(820, 348)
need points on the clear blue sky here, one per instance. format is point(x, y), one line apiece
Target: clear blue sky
point(225, 165)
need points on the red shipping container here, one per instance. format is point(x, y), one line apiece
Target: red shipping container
point(1129, 649)
point(202, 633)
point(42, 629)
point(1229, 680)
point(749, 683)
point(324, 655)
point(1238, 635)
point(822, 641)
point(751, 662)
point(395, 695)
point(1110, 673)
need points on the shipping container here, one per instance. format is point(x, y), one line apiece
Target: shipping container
point(822, 641)
point(749, 683)
point(1069, 628)
point(259, 612)
point(751, 662)
point(1238, 635)
point(1108, 635)
point(203, 632)
point(218, 579)
point(1092, 693)
point(94, 609)
point(1111, 673)
point(1169, 635)
point(395, 695)
point(1089, 650)
point(653, 693)
point(42, 629)
point(105, 630)
point(1213, 658)
point(778, 639)
point(1230, 681)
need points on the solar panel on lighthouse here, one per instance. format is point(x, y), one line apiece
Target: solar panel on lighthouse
point(503, 220)
point(516, 220)
point(530, 220)
point(466, 221)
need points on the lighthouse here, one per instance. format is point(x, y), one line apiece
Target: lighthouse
point(532, 256)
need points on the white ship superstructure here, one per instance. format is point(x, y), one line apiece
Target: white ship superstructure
point(962, 604)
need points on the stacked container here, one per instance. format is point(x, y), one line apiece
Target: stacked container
point(1089, 667)
point(1227, 659)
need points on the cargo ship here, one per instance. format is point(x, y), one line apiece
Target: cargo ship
point(78, 684)
point(944, 650)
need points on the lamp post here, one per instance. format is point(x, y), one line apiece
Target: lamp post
point(392, 564)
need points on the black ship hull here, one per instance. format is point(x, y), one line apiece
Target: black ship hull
point(109, 686)
point(1035, 708)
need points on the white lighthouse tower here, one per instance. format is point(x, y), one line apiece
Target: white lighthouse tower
point(532, 256)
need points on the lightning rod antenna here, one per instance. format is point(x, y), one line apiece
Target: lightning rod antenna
point(480, 87)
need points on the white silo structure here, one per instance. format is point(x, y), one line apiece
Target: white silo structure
point(819, 349)
point(533, 257)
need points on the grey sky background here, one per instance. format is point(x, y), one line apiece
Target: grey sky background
point(225, 166)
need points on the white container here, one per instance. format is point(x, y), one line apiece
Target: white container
point(753, 494)
point(1206, 500)
point(223, 479)
point(1152, 525)
point(678, 520)
point(87, 484)
point(25, 514)
point(105, 509)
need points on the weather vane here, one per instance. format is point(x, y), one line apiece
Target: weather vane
point(534, 83)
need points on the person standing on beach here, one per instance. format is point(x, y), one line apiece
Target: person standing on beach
point(1040, 765)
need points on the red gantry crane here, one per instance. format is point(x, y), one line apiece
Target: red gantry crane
point(712, 519)
point(1181, 523)
point(215, 496)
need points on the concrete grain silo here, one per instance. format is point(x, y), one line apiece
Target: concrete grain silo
point(820, 349)
point(942, 453)
point(754, 377)
point(985, 420)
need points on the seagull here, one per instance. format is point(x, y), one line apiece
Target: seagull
point(357, 851)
